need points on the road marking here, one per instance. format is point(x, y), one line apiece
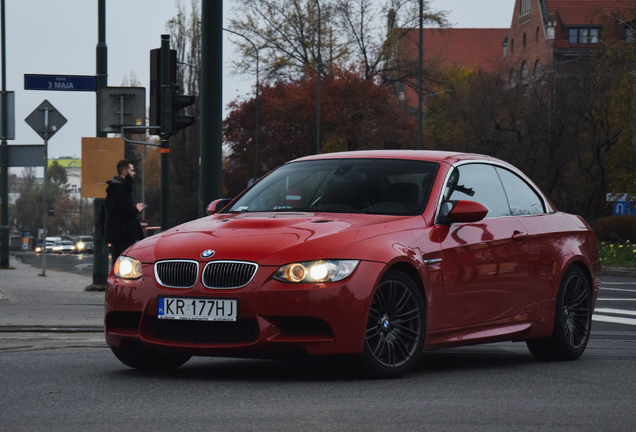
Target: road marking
point(616, 320)
point(617, 289)
point(616, 311)
point(616, 299)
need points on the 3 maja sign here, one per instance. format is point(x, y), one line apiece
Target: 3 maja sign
point(59, 82)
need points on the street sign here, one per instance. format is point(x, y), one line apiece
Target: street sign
point(99, 164)
point(121, 106)
point(26, 155)
point(45, 120)
point(59, 82)
point(624, 208)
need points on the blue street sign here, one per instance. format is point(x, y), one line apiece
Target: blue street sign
point(624, 208)
point(59, 82)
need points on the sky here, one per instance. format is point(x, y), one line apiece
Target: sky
point(59, 38)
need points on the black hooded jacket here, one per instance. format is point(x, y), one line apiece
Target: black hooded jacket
point(122, 225)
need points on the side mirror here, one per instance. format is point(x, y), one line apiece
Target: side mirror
point(217, 205)
point(462, 211)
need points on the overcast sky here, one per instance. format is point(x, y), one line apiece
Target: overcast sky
point(59, 38)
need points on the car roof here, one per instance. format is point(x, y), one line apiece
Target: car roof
point(425, 155)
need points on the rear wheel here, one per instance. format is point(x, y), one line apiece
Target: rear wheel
point(572, 320)
point(395, 327)
point(139, 356)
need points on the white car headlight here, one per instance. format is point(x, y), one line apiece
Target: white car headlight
point(316, 271)
point(127, 268)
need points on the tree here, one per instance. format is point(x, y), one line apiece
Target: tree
point(185, 37)
point(352, 32)
point(357, 114)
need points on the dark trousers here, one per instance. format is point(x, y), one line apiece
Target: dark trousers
point(116, 249)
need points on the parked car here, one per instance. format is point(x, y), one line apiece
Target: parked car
point(374, 254)
point(64, 246)
point(84, 244)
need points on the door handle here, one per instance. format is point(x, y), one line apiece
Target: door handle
point(519, 236)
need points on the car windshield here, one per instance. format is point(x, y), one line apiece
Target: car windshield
point(372, 186)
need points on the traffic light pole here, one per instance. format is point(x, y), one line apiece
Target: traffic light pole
point(165, 137)
point(100, 252)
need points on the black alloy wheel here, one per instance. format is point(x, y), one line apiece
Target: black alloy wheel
point(395, 327)
point(572, 320)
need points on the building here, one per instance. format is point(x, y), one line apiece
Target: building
point(453, 48)
point(547, 33)
point(542, 35)
point(73, 169)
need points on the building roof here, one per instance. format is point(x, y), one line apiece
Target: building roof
point(474, 48)
point(480, 48)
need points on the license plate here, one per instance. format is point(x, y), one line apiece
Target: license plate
point(199, 309)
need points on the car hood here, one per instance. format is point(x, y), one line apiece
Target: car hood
point(267, 238)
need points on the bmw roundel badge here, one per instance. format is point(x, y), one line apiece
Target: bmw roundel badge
point(207, 253)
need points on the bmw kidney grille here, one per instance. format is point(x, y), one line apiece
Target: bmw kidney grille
point(216, 274)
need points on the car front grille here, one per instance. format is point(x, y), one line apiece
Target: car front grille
point(216, 274)
point(228, 274)
point(204, 332)
point(177, 273)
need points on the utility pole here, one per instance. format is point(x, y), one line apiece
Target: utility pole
point(4, 157)
point(211, 104)
point(165, 137)
point(100, 247)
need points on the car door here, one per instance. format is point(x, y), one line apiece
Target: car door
point(485, 264)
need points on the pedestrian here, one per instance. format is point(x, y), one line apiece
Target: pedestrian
point(122, 228)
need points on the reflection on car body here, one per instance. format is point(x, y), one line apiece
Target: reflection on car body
point(375, 254)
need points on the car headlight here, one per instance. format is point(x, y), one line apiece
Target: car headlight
point(127, 268)
point(316, 271)
point(81, 245)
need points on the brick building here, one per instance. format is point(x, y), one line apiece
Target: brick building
point(542, 35)
point(546, 33)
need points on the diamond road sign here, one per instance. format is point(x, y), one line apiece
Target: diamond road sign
point(45, 120)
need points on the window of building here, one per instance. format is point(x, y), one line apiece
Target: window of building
point(524, 39)
point(538, 70)
point(537, 35)
point(524, 72)
point(525, 7)
point(512, 80)
point(583, 35)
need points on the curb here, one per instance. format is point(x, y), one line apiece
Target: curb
point(51, 329)
point(619, 271)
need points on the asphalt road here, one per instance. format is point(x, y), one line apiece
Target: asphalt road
point(57, 381)
point(493, 388)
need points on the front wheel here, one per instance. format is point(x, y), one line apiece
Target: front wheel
point(139, 356)
point(396, 327)
point(572, 320)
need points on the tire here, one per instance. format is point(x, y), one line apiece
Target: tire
point(572, 320)
point(138, 356)
point(396, 327)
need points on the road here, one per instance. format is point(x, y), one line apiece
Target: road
point(72, 263)
point(71, 381)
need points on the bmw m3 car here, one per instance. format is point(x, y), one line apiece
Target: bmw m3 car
point(377, 255)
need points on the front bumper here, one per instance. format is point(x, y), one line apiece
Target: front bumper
point(273, 317)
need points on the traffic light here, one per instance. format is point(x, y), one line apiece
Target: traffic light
point(166, 103)
point(173, 121)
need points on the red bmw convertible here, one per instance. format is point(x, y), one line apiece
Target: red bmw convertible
point(375, 254)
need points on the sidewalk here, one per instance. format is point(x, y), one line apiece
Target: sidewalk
point(56, 301)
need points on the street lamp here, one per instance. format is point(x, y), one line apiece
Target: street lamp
point(318, 73)
point(256, 109)
point(420, 99)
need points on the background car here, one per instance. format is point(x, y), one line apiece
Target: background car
point(84, 244)
point(64, 246)
point(377, 254)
